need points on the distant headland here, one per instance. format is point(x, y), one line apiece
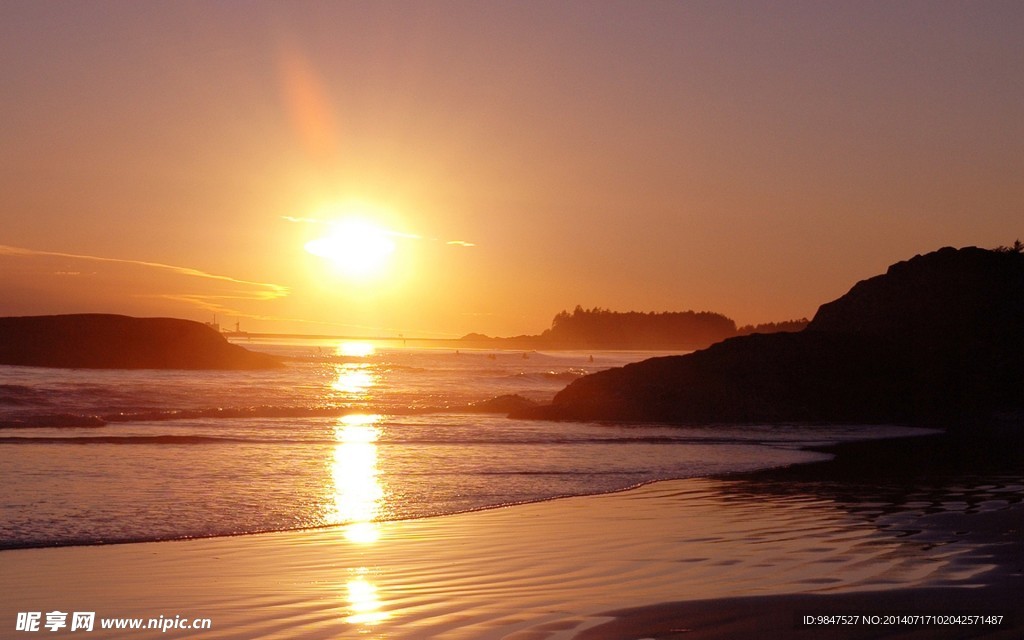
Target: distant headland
point(937, 340)
point(106, 341)
point(604, 329)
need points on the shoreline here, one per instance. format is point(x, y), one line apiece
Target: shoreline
point(831, 450)
point(586, 566)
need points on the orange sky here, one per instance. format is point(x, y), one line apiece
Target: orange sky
point(751, 158)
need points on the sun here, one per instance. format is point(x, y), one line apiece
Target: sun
point(356, 248)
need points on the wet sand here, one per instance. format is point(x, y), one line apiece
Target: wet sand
point(701, 558)
point(939, 492)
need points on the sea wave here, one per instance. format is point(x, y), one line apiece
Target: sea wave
point(157, 439)
point(394, 438)
point(59, 420)
point(563, 375)
point(21, 395)
point(498, 404)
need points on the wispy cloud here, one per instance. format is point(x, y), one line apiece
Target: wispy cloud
point(461, 243)
point(251, 290)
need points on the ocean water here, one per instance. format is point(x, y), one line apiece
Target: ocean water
point(345, 434)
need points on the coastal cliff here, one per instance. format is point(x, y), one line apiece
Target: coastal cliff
point(104, 341)
point(936, 340)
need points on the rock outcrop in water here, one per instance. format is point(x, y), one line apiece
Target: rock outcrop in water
point(936, 340)
point(103, 341)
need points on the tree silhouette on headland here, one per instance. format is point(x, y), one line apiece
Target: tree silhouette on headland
point(632, 329)
point(599, 328)
point(1016, 247)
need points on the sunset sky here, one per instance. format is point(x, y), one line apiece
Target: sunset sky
point(435, 168)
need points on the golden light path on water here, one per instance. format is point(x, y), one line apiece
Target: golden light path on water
point(357, 490)
point(357, 500)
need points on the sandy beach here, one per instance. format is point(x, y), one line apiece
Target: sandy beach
point(698, 558)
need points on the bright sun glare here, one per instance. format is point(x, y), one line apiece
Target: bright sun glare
point(356, 248)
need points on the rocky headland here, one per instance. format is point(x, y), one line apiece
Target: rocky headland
point(937, 340)
point(105, 341)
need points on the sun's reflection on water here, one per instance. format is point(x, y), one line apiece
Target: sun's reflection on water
point(358, 493)
point(356, 349)
point(354, 378)
point(363, 601)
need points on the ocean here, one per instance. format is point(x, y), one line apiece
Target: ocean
point(348, 433)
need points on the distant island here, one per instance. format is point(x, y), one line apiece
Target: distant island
point(604, 329)
point(937, 340)
point(106, 341)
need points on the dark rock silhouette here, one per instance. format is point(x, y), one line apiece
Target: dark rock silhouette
point(104, 341)
point(502, 404)
point(937, 340)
